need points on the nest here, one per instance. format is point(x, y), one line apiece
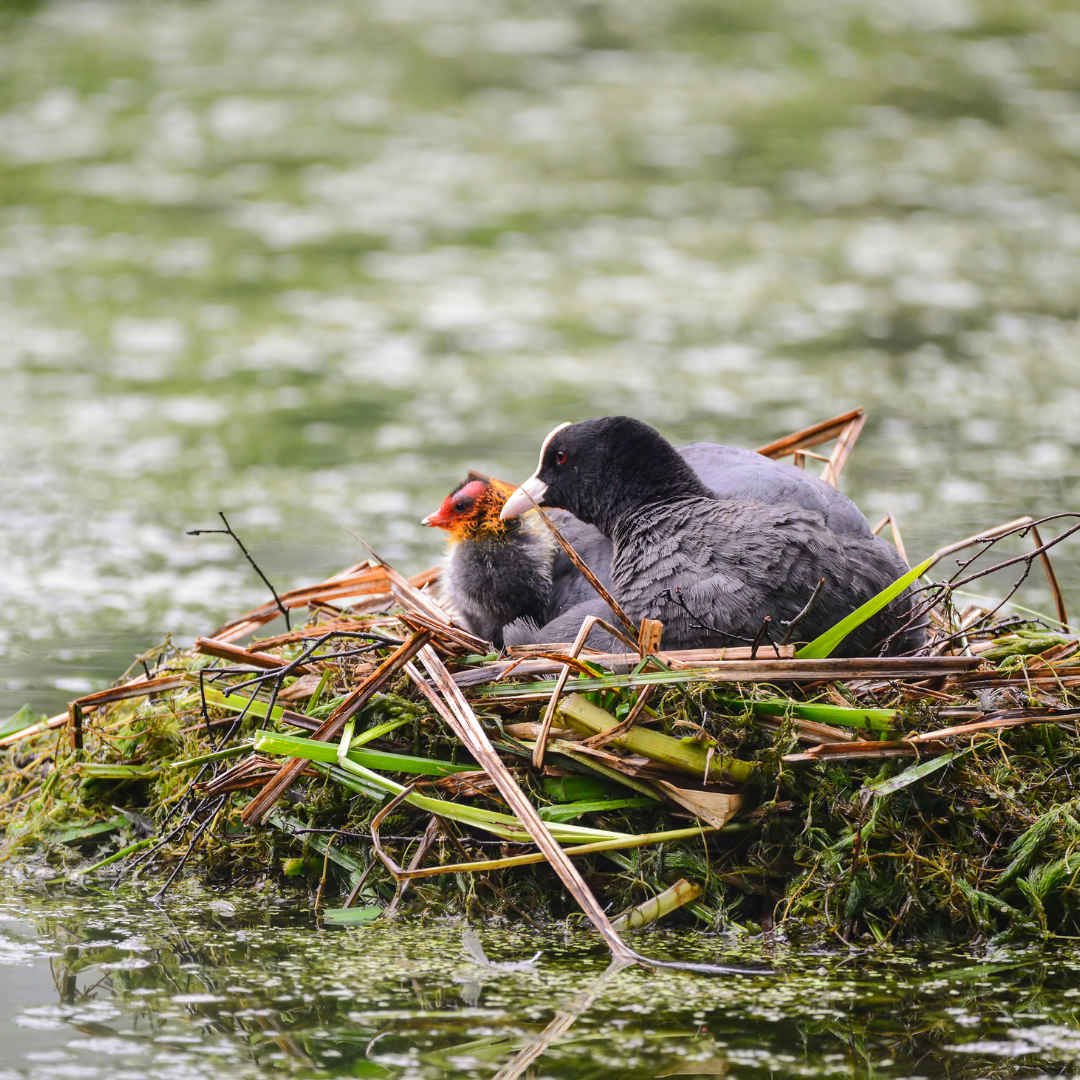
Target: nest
point(385, 759)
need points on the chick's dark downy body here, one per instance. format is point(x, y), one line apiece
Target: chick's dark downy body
point(712, 568)
point(498, 574)
point(493, 571)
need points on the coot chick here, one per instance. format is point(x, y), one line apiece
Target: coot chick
point(504, 580)
point(711, 568)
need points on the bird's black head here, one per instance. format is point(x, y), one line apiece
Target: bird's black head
point(602, 469)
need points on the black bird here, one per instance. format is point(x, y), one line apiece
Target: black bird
point(508, 582)
point(710, 567)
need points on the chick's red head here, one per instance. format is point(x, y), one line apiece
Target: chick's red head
point(471, 509)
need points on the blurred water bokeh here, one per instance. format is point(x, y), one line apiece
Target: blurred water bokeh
point(308, 263)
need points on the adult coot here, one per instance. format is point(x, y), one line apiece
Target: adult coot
point(712, 567)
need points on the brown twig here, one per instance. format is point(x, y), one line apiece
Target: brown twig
point(228, 531)
point(898, 540)
point(760, 636)
point(802, 614)
point(937, 593)
point(19, 798)
point(325, 871)
point(360, 580)
point(811, 436)
point(398, 872)
point(595, 742)
point(560, 684)
point(224, 650)
point(434, 825)
point(1051, 577)
point(354, 892)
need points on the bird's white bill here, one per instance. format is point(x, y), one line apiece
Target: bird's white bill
point(529, 494)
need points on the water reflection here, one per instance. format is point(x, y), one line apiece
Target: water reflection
point(113, 987)
point(309, 266)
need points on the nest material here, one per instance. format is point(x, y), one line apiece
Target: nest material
point(877, 798)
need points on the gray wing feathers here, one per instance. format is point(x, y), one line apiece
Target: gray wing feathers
point(565, 628)
point(730, 572)
point(730, 472)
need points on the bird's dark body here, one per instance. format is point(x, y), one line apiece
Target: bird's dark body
point(711, 568)
point(728, 472)
point(695, 565)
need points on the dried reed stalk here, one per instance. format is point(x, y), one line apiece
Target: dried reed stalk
point(549, 713)
point(927, 740)
point(224, 650)
point(898, 540)
point(845, 428)
point(455, 710)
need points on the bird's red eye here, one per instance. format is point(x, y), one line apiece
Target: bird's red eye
point(560, 457)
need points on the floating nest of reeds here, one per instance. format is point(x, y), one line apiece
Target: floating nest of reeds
point(385, 759)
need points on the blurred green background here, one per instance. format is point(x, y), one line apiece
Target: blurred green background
point(307, 263)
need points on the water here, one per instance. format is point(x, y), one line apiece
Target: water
point(307, 266)
point(309, 263)
point(238, 987)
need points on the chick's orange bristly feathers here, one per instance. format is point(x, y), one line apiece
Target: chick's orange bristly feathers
point(472, 510)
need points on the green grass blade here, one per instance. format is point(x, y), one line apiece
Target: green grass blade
point(116, 856)
point(355, 784)
point(86, 832)
point(238, 703)
point(826, 643)
point(90, 770)
point(503, 825)
point(217, 755)
point(837, 715)
point(379, 730)
point(273, 742)
point(19, 721)
point(916, 772)
point(353, 916)
point(568, 811)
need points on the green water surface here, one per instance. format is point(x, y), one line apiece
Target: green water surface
point(105, 985)
point(307, 263)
